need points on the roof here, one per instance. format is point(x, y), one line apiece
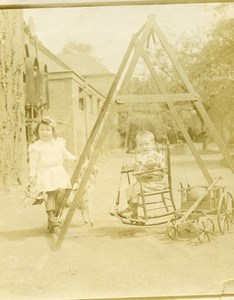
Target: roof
point(83, 63)
point(53, 57)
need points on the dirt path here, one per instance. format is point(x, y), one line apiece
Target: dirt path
point(110, 259)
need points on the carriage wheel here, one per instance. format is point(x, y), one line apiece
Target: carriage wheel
point(225, 212)
point(206, 229)
point(172, 230)
point(192, 227)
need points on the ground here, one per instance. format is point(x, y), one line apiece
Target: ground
point(111, 259)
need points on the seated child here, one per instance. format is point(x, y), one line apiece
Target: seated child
point(146, 158)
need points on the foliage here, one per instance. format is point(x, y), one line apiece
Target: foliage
point(212, 75)
point(158, 120)
point(73, 46)
point(209, 64)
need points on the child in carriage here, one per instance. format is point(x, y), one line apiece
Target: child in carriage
point(146, 159)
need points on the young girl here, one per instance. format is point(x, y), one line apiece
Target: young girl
point(46, 171)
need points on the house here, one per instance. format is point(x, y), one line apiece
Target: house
point(35, 82)
point(72, 101)
point(83, 63)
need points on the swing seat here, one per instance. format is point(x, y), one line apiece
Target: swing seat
point(155, 207)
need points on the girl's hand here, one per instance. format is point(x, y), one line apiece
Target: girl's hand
point(32, 180)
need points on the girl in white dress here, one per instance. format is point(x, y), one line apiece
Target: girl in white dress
point(46, 171)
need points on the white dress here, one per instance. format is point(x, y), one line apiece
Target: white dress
point(46, 164)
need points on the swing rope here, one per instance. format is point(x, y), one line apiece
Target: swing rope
point(178, 143)
point(117, 199)
point(173, 123)
point(142, 104)
point(163, 125)
point(160, 117)
point(126, 140)
point(176, 135)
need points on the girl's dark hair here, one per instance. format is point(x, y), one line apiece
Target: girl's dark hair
point(46, 121)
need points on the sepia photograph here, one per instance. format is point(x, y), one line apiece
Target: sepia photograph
point(117, 149)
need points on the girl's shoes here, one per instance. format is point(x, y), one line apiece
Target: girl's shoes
point(53, 221)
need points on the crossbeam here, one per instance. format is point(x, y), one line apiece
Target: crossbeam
point(90, 3)
point(136, 99)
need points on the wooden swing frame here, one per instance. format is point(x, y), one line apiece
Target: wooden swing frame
point(116, 99)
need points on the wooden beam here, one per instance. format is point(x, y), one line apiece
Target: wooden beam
point(139, 43)
point(149, 64)
point(54, 4)
point(95, 139)
point(197, 103)
point(152, 107)
point(218, 139)
point(190, 142)
point(173, 58)
point(136, 99)
point(101, 116)
point(85, 178)
point(177, 117)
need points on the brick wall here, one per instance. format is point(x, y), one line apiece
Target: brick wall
point(66, 91)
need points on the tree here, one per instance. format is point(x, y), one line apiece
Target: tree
point(73, 46)
point(208, 61)
point(12, 104)
point(212, 75)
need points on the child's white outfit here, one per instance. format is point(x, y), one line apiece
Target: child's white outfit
point(152, 181)
point(46, 164)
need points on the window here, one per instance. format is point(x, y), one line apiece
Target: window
point(99, 105)
point(91, 103)
point(81, 103)
point(81, 98)
point(26, 50)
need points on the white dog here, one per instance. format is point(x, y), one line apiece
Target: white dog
point(84, 204)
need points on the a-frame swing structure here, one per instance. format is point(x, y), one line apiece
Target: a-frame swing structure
point(116, 99)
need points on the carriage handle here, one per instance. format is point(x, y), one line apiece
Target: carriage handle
point(148, 171)
point(198, 201)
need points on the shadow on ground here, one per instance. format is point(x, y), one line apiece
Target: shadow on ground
point(15, 235)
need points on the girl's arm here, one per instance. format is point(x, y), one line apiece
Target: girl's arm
point(66, 154)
